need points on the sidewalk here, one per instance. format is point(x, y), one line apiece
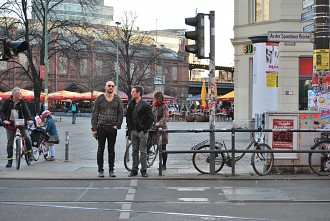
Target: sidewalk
point(82, 155)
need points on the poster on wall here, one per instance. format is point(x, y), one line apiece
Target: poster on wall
point(283, 139)
point(320, 101)
point(265, 78)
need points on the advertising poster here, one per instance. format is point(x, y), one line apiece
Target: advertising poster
point(271, 79)
point(283, 139)
point(265, 75)
point(321, 59)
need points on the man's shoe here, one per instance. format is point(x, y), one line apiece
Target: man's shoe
point(9, 164)
point(144, 174)
point(30, 157)
point(101, 174)
point(51, 159)
point(133, 173)
point(112, 174)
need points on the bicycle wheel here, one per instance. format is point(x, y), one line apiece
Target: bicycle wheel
point(45, 149)
point(201, 161)
point(319, 162)
point(18, 153)
point(26, 156)
point(128, 156)
point(152, 155)
point(262, 163)
point(36, 153)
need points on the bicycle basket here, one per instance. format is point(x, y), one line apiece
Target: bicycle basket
point(37, 136)
point(19, 122)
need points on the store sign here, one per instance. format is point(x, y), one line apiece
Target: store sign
point(248, 48)
point(278, 36)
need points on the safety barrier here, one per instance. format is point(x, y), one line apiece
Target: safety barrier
point(233, 150)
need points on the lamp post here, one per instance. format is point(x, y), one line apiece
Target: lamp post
point(117, 65)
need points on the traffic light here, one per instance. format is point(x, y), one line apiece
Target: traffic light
point(12, 48)
point(198, 35)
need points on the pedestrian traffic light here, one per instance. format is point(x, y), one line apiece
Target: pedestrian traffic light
point(12, 48)
point(198, 35)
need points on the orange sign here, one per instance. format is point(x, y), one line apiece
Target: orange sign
point(42, 72)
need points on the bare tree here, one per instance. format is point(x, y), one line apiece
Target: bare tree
point(65, 34)
point(137, 54)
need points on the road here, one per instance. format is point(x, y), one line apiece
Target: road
point(143, 200)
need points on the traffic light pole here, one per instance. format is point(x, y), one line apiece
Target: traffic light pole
point(213, 88)
point(46, 55)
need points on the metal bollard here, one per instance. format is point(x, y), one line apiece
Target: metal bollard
point(66, 146)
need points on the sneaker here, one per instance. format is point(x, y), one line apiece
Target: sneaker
point(101, 174)
point(163, 167)
point(112, 174)
point(144, 174)
point(30, 157)
point(9, 164)
point(133, 173)
point(51, 159)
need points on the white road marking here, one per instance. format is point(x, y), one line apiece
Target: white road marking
point(129, 197)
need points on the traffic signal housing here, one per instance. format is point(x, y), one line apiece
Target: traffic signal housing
point(198, 35)
point(13, 48)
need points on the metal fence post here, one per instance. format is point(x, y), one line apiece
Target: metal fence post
point(160, 151)
point(233, 152)
point(66, 146)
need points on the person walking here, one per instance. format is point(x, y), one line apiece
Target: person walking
point(74, 110)
point(107, 118)
point(139, 119)
point(13, 109)
point(160, 111)
point(51, 130)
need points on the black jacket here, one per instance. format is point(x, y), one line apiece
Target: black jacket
point(7, 106)
point(139, 116)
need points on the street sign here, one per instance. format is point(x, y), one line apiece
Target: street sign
point(309, 28)
point(307, 3)
point(307, 15)
point(278, 36)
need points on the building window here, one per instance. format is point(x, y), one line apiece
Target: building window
point(305, 81)
point(261, 10)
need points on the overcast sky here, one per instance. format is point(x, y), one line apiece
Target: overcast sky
point(171, 14)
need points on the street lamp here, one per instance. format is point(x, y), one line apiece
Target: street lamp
point(117, 65)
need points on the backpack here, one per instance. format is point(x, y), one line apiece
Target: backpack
point(73, 108)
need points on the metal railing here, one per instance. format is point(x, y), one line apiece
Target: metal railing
point(233, 150)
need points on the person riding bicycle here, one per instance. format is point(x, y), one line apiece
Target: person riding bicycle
point(12, 109)
point(52, 132)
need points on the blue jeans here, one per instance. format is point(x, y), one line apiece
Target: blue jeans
point(10, 141)
point(139, 145)
point(74, 117)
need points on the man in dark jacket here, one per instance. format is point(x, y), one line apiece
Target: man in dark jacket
point(107, 118)
point(139, 118)
point(12, 109)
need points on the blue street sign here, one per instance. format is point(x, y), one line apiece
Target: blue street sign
point(309, 28)
point(308, 15)
point(307, 4)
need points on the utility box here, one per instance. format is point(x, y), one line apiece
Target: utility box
point(292, 162)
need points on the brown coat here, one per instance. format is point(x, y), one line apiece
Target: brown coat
point(161, 116)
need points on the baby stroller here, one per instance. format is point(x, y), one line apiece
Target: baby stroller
point(40, 145)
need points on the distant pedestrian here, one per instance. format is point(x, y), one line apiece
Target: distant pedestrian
point(51, 130)
point(107, 118)
point(74, 110)
point(160, 111)
point(139, 119)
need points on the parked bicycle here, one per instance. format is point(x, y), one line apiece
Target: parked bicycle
point(152, 152)
point(262, 163)
point(20, 149)
point(320, 162)
point(40, 143)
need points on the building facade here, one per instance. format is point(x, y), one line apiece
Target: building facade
point(255, 18)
